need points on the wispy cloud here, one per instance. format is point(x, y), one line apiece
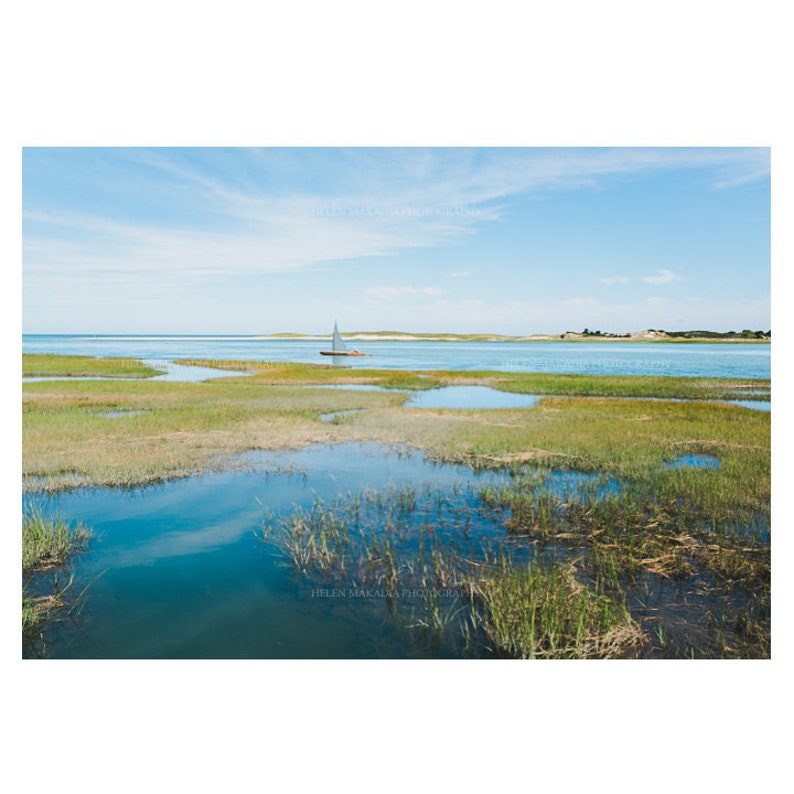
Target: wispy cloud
point(400, 293)
point(268, 211)
point(578, 302)
point(610, 280)
point(662, 277)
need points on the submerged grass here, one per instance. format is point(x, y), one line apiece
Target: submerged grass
point(544, 611)
point(478, 599)
point(536, 575)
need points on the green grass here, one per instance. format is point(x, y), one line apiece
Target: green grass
point(521, 382)
point(667, 525)
point(188, 427)
point(596, 584)
point(657, 386)
point(47, 546)
point(182, 428)
point(544, 611)
point(48, 543)
point(281, 373)
point(43, 365)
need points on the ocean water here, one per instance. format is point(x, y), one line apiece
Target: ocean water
point(729, 360)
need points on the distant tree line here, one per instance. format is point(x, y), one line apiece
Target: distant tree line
point(745, 334)
point(588, 332)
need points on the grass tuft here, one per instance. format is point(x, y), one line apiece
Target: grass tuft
point(47, 546)
point(48, 543)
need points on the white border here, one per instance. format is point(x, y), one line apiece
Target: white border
point(610, 73)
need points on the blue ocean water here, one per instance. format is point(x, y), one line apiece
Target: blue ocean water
point(728, 360)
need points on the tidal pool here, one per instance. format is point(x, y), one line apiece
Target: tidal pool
point(756, 405)
point(694, 462)
point(471, 398)
point(181, 373)
point(190, 374)
point(334, 416)
point(183, 571)
point(285, 557)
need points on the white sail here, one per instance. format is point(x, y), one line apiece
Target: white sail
point(339, 345)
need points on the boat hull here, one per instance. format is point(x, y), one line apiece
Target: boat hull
point(330, 353)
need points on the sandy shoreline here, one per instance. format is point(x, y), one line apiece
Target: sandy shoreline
point(641, 336)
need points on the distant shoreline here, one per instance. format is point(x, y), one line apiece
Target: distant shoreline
point(397, 336)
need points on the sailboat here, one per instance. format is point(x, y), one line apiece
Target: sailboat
point(339, 347)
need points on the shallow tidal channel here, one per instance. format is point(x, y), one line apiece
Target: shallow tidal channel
point(181, 569)
point(293, 554)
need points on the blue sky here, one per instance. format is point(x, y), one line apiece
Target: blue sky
point(516, 241)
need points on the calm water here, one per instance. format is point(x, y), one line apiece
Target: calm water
point(482, 397)
point(185, 574)
point(694, 462)
point(187, 577)
point(733, 360)
point(471, 397)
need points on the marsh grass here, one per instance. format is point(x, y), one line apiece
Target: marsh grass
point(686, 550)
point(475, 594)
point(184, 428)
point(277, 372)
point(537, 574)
point(180, 428)
point(633, 386)
point(571, 385)
point(544, 611)
point(45, 365)
point(48, 544)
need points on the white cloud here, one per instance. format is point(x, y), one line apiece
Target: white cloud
point(460, 273)
point(655, 301)
point(400, 293)
point(578, 302)
point(614, 280)
point(662, 277)
point(381, 202)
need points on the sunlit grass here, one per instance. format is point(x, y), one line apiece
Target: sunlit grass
point(48, 543)
point(179, 428)
point(47, 365)
point(186, 427)
point(706, 530)
point(521, 382)
point(575, 577)
point(544, 611)
point(47, 546)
